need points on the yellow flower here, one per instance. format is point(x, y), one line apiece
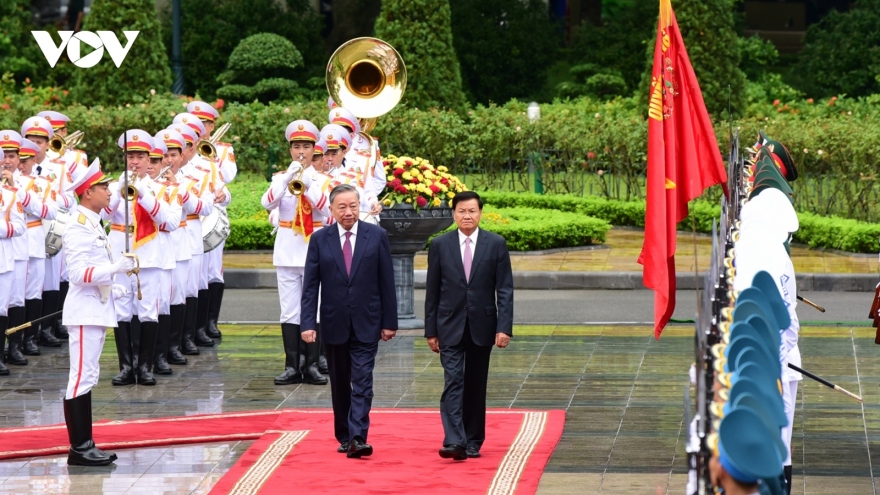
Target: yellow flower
point(387, 202)
point(450, 195)
point(436, 202)
point(442, 168)
point(406, 176)
point(409, 200)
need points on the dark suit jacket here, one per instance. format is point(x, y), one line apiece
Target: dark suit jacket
point(366, 302)
point(486, 301)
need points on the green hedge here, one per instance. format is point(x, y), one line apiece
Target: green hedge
point(815, 231)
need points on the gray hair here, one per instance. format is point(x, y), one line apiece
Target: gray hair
point(343, 188)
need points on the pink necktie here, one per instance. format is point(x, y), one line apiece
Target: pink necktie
point(468, 259)
point(346, 253)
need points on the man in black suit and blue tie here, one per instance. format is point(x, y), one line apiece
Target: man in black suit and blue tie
point(350, 263)
point(468, 308)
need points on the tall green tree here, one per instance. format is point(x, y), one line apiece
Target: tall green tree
point(504, 47)
point(211, 29)
point(145, 67)
point(421, 31)
point(18, 53)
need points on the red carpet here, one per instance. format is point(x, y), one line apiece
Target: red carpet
point(296, 448)
point(300, 451)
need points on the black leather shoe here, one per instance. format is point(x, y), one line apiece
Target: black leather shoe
point(473, 453)
point(357, 449)
point(343, 448)
point(455, 452)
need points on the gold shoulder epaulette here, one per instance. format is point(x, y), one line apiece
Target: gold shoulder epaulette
point(81, 219)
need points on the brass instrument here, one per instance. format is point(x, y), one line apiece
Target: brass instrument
point(207, 148)
point(59, 145)
point(131, 192)
point(367, 77)
point(296, 186)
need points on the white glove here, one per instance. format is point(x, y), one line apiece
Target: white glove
point(309, 176)
point(124, 264)
point(293, 169)
point(119, 291)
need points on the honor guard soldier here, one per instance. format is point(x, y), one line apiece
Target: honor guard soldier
point(175, 144)
point(11, 225)
point(359, 159)
point(296, 195)
point(745, 455)
point(224, 167)
point(11, 141)
point(38, 203)
point(62, 167)
point(146, 213)
point(198, 200)
point(89, 309)
point(166, 193)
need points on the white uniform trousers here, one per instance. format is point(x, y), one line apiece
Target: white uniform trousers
point(60, 255)
point(52, 278)
point(290, 284)
point(36, 275)
point(789, 400)
point(195, 274)
point(86, 343)
point(214, 260)
point(7, 280)
point(178, 282)
point(16, 296)
point(147, 309)
point(165, 292)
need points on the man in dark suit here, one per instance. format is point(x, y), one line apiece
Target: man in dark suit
point(468, 308)
point(350, 263)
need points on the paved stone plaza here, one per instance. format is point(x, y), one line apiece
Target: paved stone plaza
point(621, 389)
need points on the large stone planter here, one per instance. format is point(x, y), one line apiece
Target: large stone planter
point(408, 232)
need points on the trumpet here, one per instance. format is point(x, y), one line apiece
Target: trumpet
point(131, 192)
point(59, 145)
point(207, 148)
point(296, 186)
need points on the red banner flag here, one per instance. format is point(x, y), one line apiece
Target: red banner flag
point(683, 160)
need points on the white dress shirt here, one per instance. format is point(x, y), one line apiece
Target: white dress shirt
point(473, 238)
point(354, 234)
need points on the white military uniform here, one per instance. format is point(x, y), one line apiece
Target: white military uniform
point(371, 172)
point(224, 171)
point(36, 197)
point(767, 219)
point(61, 170)
point(291, 241)
point(88, 310)
point(198, 201)
point(12, 225)
point(167, 194)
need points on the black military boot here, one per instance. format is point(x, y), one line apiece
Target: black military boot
point(201, 335)
point(78, 416)
point(175, 335)
point(4, 324)
point(60, 330)
point(135, 327)
point(187, 342)
point(786, 471)
point(322, 357)
point(33, 309)
point(292, 339)
point(215, 299)
point(160, 362)
point(16, 340)
point(310, 373)
point(149, 332)
point(124, 353)
point(46, 334)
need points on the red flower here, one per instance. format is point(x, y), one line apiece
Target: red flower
point(435, 188)
point(408, 163)
point(775, 102)
point(444, 181)
point(386, 162)
point(219, 104)
point(415, 180)
point(397, 171)
point(394, 183)
point(424, 167)
point(400, 189)
point(5, 106)
point(591, 155)
point(421, 201)
point(810, 101)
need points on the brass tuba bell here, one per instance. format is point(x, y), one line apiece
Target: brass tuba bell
point(367, 77)
point(59, 145)
point(207, 148)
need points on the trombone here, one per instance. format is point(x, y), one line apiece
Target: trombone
point(207, 148)
point(59, 145)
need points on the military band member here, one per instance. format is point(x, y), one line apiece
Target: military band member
point(146, 213)
point(198, 201)
point(166, 193)
point(359, 159)
point(226, 168)
point(88, 310)
point(39, 204)
point(11, 141)
point(296, 225)
point(174, 143)
point(62, 167)
point(11, 225)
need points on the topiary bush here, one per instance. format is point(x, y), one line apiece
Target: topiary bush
point(146, 67)
point(420, 30)
point(261, 67)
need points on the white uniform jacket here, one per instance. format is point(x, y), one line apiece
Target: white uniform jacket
point(167, 195)
point(11, 226)
point(36, 197)
point(89, 261)
point(197, 201)
point(150, 254)
point(291, 247)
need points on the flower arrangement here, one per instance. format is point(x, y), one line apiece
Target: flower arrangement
point(416, 182)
